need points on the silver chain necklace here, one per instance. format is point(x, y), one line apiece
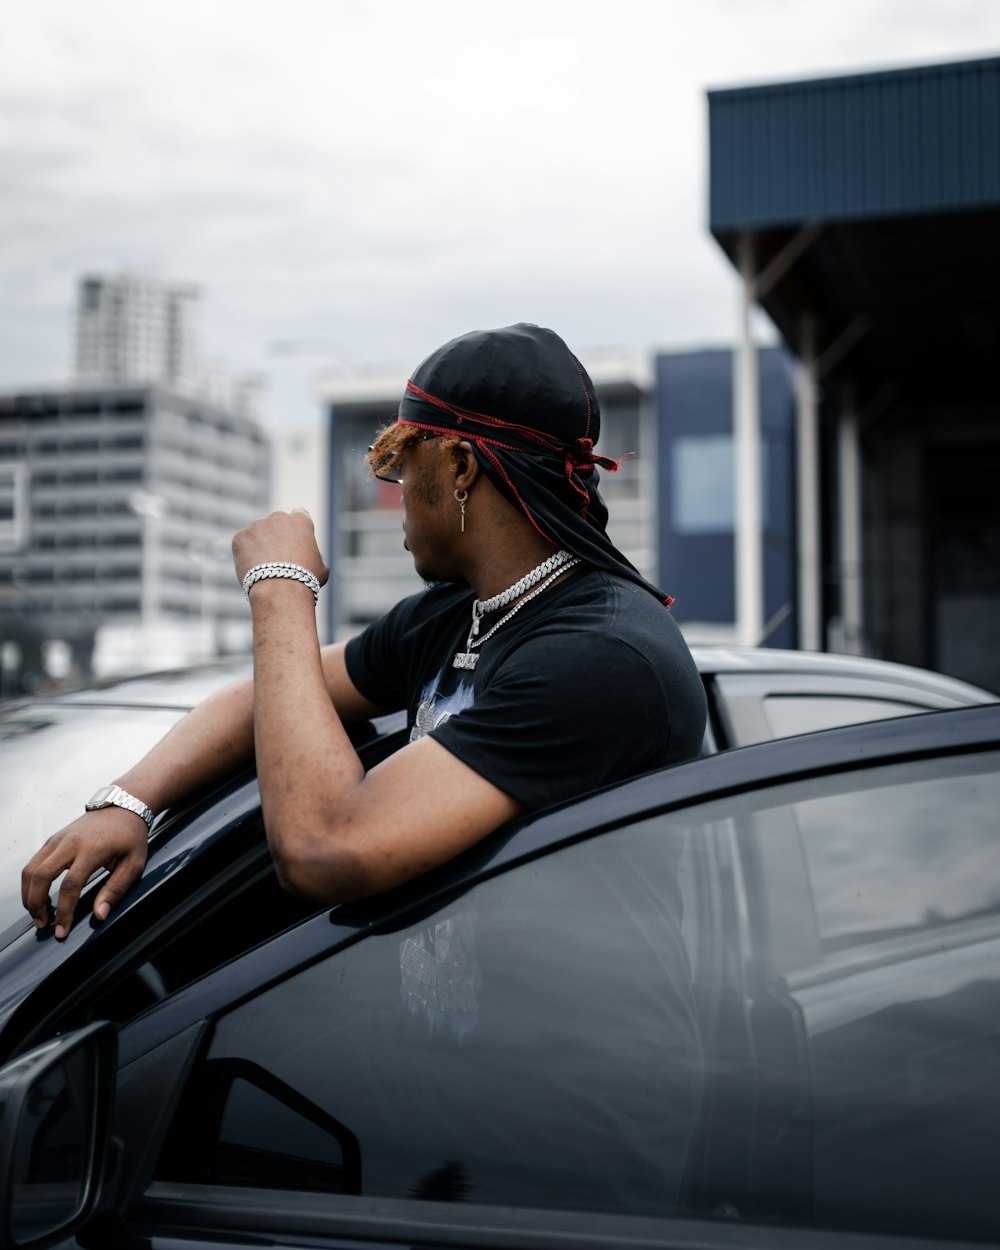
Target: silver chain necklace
point(540, 577)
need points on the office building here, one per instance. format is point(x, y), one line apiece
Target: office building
point(135, 328)
point(120, 493)
point(117, 510)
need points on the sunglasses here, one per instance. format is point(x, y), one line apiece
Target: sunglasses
point(388, 469)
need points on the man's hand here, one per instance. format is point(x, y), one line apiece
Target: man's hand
point(110, 838)
point(287, 536)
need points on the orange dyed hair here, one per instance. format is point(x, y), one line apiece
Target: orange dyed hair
point(393, 440)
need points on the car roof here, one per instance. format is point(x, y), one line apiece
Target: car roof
point(179, 688)
point(718, 660)
point(185, 687)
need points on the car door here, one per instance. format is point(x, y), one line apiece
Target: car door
point(529, 1042)
point(629, 1014)
point(643, 1009)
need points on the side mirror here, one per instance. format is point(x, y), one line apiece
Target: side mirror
point(55, 1110)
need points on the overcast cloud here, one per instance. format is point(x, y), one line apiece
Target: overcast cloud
point(378, 177)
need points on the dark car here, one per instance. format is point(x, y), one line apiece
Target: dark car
point(750, 1000)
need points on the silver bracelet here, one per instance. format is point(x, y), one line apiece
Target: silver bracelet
point(281, 568)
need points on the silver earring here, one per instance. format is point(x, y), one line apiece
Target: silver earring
point(462, 496)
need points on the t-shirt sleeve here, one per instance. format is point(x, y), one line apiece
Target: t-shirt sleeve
point(560, 718)
point(379, 659)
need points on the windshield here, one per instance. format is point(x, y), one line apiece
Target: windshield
point(52, 759)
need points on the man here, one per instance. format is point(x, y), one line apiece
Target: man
point(539, 665)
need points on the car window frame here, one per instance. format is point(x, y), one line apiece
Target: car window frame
point(739, 699)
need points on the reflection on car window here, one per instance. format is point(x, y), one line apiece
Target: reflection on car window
point(802, 714)
point(533, 1043)
point(884, 1031)
point(910, 855)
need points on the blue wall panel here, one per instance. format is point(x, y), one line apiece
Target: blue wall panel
point(696, 564)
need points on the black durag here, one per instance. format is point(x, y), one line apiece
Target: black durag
point(528, 407)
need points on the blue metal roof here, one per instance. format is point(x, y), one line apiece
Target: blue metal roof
point(869, 145)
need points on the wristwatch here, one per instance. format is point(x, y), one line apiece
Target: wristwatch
point(115, 796)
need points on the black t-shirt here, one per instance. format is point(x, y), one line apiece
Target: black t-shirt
point(586, 684)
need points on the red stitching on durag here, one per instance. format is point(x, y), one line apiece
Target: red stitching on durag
point(586, 396)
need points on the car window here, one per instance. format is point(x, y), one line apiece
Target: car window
point(900, 859)
point(760, 706)
point(779, 1007)
point(533, 1043)
point(882, 1026)
point(801, 714)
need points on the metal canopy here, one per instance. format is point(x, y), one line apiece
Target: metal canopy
point(918, 299)
point(895, 177)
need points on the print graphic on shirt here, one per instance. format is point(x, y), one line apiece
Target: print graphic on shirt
point(435, 708)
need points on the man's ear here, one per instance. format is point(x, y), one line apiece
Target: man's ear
point(466, 466)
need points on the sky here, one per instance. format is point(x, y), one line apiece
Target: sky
point(354, 182)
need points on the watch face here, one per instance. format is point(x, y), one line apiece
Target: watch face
point(100, 799)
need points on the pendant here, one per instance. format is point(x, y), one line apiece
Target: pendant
point(465, 659)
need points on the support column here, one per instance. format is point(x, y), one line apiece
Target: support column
point(851, 580)
point(749, 546)
point(807, 493)
point(333, 532)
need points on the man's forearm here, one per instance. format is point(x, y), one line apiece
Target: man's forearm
point(211, 743)
point(309, 773)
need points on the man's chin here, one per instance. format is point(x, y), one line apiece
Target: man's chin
point(433, 574)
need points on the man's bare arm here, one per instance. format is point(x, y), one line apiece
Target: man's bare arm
point(211, 743)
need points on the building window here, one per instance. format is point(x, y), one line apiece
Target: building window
point(702, 487)
point(91, 294)
point(127, 407)
point(703, 490)
point(13, 507)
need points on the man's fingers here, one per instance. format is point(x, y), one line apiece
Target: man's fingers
point(114, 839)
point(40, 908)
point(121, 880)
point(36, 881)
point(77, 876)
point(281, 536)
point(29, 874)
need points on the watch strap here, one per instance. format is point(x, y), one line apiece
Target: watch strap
point(115, 796)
